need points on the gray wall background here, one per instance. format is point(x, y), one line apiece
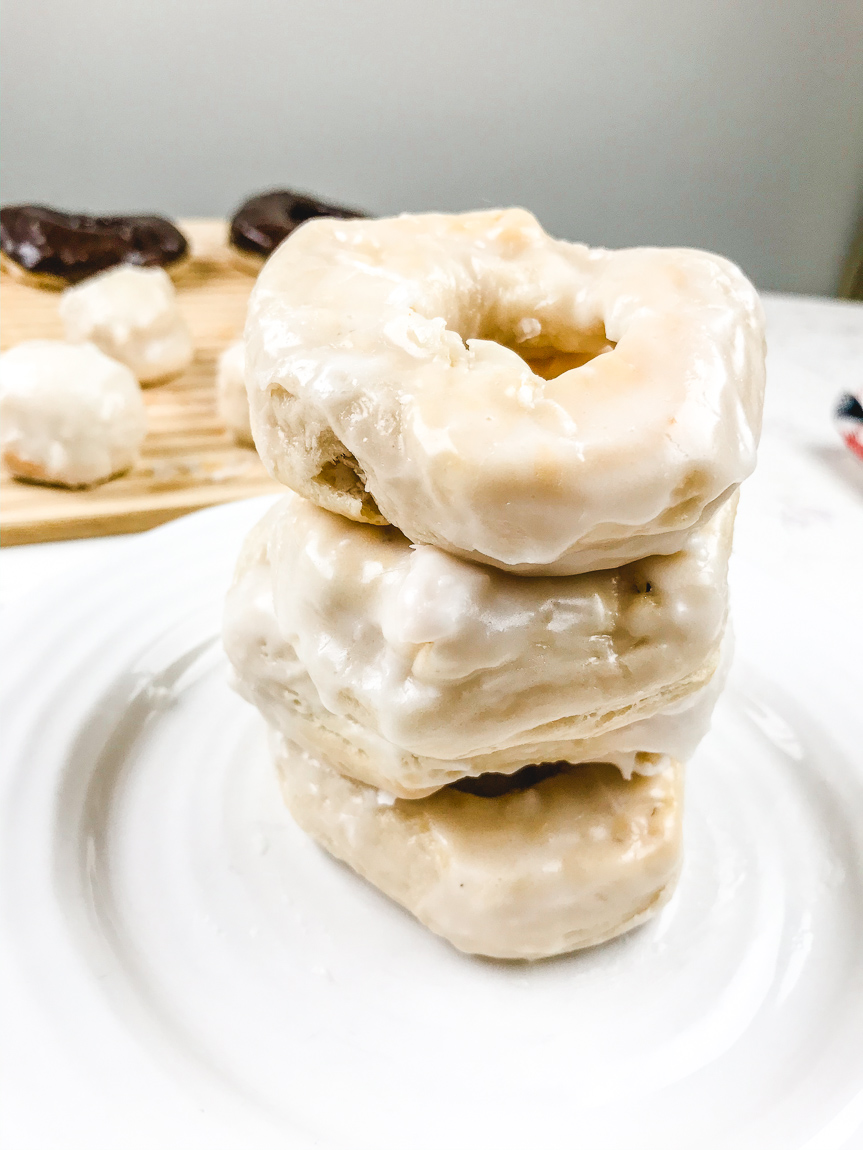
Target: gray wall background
point(735, 125)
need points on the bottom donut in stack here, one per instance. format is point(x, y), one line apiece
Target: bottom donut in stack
point(500, 754)
point(550, 859)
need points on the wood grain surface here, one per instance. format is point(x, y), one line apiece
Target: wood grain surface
point(189, 461)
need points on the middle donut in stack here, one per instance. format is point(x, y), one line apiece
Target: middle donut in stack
point(495, 744)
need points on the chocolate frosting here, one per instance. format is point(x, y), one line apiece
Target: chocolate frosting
point(261, 223)
point(43, 241)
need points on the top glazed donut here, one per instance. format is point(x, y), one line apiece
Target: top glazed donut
point(521, 401)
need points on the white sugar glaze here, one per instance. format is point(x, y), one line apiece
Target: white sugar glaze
point(69, 415)
point(131, 314)
point(233, 402)
point(408, 668)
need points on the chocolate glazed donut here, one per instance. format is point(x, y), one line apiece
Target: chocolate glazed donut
point(53, 249)
point(262, 222)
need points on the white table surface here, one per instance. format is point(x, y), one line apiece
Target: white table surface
point(801, 515)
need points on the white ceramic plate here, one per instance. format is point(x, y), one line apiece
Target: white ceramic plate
point(184, 969)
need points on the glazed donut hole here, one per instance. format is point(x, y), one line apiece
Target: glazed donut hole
point(132, 315)
point(232, 400)
point(70, 416)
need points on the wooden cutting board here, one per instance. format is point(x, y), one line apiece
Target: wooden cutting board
point(189, 461)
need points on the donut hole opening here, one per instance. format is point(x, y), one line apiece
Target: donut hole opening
point(550, 366)
point(547, 353)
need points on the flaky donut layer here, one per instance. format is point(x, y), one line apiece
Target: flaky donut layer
point(511, 398)
point(566, 863)
point(446, 660)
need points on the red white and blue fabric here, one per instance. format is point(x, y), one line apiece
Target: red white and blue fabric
point(849, 420)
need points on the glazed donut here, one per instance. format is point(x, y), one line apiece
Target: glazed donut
point(559, 858)
point(261, 223)
point(408, 668)
point(69, 415)
point(131, 314)
point(267, 672)
point(232, 400)
point(53, 249)
point(406, 371)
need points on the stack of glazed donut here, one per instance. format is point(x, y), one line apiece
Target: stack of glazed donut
point(487, 626)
